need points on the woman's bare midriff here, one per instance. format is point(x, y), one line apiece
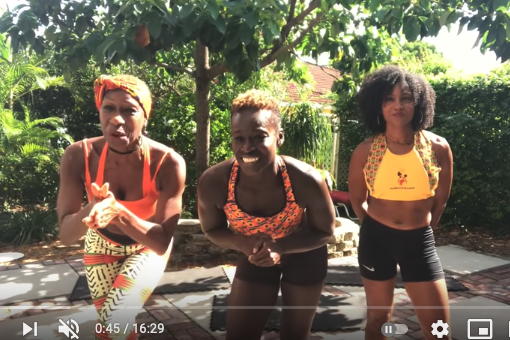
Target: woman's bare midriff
point(401, 215)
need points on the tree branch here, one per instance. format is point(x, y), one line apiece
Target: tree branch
point(293, 21)
point(176, 68)
point(274, 54)
point(291, 10)
point(170, 86)
point(217, 70)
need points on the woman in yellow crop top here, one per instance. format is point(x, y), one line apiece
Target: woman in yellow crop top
point(399, 183)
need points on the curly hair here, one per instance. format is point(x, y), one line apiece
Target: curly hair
point(257, 100)
point(380, 83)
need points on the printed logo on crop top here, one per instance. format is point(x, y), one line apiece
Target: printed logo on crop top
point(402, 178)
point(402, 181)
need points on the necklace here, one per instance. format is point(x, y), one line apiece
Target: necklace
point(123, 152)
point(405, 143)
point(127, 152)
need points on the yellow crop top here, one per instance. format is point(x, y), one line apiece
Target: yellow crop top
point(410, 177)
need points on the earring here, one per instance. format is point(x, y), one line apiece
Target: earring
point(144, 130)
point(378, 122)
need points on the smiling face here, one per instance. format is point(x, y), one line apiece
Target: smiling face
point(254, 139)
point(122, 119)
point(398, 106)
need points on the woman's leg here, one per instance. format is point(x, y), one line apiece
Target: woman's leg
point(119, 277)
point(137, 279)
point(302, 283)
point(423, 276)
point(435, 294)
point(253, 286)
point(379, 295)
point(378, 268)
point(297, 323)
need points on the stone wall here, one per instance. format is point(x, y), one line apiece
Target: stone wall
point(191, 245)
point(345, 240)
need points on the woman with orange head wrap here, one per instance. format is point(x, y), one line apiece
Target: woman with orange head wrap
point(134, 187)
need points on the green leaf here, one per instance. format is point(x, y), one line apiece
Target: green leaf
point(282, 6)
point(397, 13)
point(246, 33)
point(444, 16)
point(221, 24)
point(268, 35)
point(67, 76)
point(463, 21)
point(500, 5)
point(374, 5)
point(492, 34)
point(92, 40)
point(412, 28)
point(213, 9)
point(250, 19)
point(186, 10)
point(124, 8)
point(273, 27)
point(154, 25)
point(500, 35)
point(103, 47)
point(139, 7)
point(81, 26)
point(324, 6)
point(425, 4)
point(253, 51)
point(159, 4)
point(119, 46)
point(335, 29)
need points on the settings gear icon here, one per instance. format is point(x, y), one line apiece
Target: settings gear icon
point(444, 329)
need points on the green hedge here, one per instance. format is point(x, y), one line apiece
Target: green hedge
point(473, 114)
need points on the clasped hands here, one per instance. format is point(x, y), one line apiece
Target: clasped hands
point(265, 251)
point(104, 207)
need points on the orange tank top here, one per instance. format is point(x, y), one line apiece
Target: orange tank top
point(277, 226)
point(143, 208)
point(410, 177)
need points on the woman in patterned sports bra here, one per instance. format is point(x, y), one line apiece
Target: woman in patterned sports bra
point(128, 225)
point(277, 212)
point(399, 183)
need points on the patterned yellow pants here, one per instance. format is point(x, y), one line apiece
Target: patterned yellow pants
point(121, 279)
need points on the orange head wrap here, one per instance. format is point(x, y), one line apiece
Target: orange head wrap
point(132, 85)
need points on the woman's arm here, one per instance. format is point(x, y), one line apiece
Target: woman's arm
point(212, 218)
point(320, 216)
point(445, 160)
point(158, 233)
point(70, 208)
point(358, 191)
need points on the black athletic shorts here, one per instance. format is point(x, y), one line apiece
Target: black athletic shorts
point(300, 269)
point(381, 248)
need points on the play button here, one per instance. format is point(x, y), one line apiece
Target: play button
point(27, 329)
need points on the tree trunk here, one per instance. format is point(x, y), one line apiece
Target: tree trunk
point(202, 114)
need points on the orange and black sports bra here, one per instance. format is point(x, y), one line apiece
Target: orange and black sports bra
point(143, 208)
point(276, 226)
point(410, 177)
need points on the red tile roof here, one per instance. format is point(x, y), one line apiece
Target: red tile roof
point(324, 78)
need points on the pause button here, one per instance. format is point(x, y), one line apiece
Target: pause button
point(390, 329)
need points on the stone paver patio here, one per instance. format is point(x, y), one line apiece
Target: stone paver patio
point(493, 284)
